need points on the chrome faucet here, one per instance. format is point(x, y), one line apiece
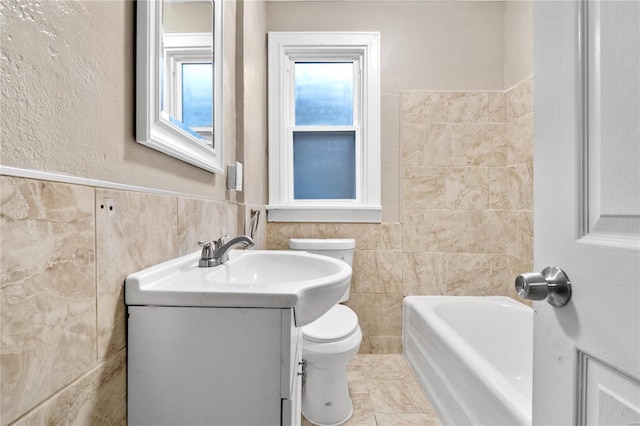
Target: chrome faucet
point(219, 253)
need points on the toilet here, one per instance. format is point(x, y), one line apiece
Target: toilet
point(328, 344)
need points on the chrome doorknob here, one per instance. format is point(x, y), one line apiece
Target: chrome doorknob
point(551, 285)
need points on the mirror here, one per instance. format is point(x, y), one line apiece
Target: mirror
point(179, 80)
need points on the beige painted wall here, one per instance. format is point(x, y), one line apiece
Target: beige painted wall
point(187, 17)
point(68, 97)
point(424, 45)
point(251, 123)
point(518, 41)
point(251, 69)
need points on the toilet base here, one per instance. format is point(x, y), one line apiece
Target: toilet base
point(325, 396)
point(333, 424)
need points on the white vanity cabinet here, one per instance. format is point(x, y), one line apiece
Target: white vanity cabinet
point(213, 366)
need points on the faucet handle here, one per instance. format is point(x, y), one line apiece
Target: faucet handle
point(222, 241)
point(207, 250)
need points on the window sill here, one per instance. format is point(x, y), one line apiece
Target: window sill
point(288, 213)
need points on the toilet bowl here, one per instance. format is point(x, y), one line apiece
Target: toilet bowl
point(328, 344)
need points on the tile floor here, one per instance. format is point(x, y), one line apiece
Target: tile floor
point(385, 392)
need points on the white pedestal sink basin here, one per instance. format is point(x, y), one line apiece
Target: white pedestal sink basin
point(308, 283)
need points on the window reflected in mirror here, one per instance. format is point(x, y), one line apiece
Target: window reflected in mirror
point(187, 70)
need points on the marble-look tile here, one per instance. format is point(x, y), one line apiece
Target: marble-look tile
point(98, 398)
point(499, 271)
point(424, 274)
point(487, 231)
point(278, 235)
point(435, 231)
point(381, 345)
point(520, 190)
point(423, 187)
point(397, 396)
point(463, 270)
point(363, 414)
point(377, 271)
point(356, 360)
point(520, 137)
point(48, 293)
point(467, 188)
point(384, 236)
point(485, 145)
point(440, 140)
point(133, 231)
point(423, 107)
point(456, 107)
point(387, 366)
point(512, 233)
point(414, 143)
point(406, 419)
point(205, 220)
point(497, 107)
point(498, 185)
point(519, 100)
point(357, 381)
point(467, 107)
point(525, 234)
point(378, 314)
point(477, 107)
point(414, 238)
point(320, 230)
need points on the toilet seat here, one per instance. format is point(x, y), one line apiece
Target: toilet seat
point(338, 323)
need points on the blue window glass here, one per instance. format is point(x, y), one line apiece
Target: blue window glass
point(324, 165)
point(324, 93)
point(197, 94)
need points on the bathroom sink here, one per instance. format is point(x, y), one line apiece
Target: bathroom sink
point(308, 283)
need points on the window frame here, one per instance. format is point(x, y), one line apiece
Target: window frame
point(286, 48)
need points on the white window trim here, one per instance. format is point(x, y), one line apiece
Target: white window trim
point(284, 47)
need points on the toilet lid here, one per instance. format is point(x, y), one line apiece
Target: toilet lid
point(338, 323)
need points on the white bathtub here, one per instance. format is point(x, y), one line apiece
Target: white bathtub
point(472, 356)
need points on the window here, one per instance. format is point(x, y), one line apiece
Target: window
point(187, 95)
point(196, 96)
point(324, 136)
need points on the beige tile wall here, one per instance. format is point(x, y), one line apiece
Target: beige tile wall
point(466, 190)
point(65, 252)
point(467, 221)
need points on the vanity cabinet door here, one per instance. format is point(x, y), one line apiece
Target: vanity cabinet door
point(204, 366)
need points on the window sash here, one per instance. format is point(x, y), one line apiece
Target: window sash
point(326, 57)
point(358, 163)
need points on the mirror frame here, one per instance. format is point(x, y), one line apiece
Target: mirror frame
point(153, 127)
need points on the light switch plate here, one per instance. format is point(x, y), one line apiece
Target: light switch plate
point(234, 176)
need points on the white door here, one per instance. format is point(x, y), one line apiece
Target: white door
point(587, 211)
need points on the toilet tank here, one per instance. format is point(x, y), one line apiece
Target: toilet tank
point(338, 248)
